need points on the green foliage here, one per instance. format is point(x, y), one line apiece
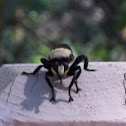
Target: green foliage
point(43, 53)
point(121, 10)
point(29, 29)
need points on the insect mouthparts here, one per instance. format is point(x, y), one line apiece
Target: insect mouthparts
point(61, 70)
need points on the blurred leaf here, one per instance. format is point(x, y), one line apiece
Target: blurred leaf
point(29, 28)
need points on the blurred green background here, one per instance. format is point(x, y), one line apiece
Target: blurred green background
point(30, 28)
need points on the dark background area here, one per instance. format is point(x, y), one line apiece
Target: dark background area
point(30, 28)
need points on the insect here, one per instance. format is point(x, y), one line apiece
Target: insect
point(58, 64)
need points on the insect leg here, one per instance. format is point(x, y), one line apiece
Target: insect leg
point(45, 65)
point(45, 62)
point(50, 85)
point(34, 72)
point(75, 71)
point(80, 59)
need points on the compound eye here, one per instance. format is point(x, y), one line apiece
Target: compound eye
point(55, 65)
point(65, 65)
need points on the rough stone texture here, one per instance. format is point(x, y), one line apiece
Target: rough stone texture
point(24, 100)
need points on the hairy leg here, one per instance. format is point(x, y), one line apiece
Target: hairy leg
point(34, 72)
point(81, 58)
point(75, 71)
point(45, 65)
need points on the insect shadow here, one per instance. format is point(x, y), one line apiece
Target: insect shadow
point(37, 91)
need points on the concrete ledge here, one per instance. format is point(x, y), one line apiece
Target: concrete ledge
point(24, 100)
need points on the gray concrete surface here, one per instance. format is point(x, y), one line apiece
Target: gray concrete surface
point(24, 100)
